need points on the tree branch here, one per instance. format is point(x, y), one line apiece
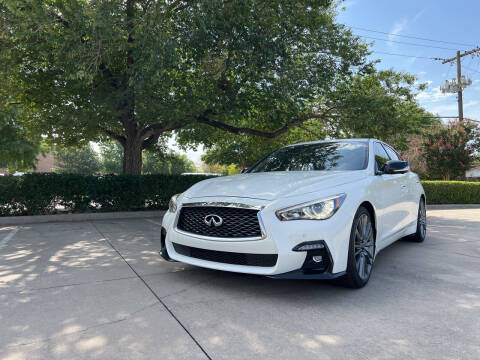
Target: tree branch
point(179, 5)
point(203, 119)
point(121, 139)
point(157, 129)
point(152, 140)
point(308, 130)
point(61, 20)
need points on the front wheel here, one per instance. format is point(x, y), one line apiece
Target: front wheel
point(361, 254)
point(421, 232)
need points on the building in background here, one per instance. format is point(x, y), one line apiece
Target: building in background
point(473, 174)
point(45, 164)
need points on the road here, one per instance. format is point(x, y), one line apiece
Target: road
point(99, 290)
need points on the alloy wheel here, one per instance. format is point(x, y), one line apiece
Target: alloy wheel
point(422, 219)
point(364, 246)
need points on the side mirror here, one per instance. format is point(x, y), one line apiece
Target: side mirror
point(395, 167)
point(244, 170)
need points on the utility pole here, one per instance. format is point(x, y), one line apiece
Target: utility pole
point(460, 89)
point(461, 82)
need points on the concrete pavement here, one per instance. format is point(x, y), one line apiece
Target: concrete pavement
point(99, 290)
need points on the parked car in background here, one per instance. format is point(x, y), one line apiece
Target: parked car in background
point(318, 210)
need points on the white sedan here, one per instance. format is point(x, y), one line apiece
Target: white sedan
point(319, 210)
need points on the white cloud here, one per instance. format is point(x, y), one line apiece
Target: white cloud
point(398, 27)
point(433, 95)
point(444, 109)
point(419, 15)
point(451, 108)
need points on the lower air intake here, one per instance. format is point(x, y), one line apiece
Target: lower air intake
point(262, 260)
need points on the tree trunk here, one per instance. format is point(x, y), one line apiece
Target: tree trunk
point(132, 156)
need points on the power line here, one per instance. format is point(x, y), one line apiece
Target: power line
point(409, 43)
point(404, 55)
point(411, 37)
point(469, 68)
point(465, 53)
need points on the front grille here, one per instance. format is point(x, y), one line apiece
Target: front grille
point(263, 260)
point(237, 222)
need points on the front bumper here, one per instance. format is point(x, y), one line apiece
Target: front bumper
point(280, 238)
point(300, 274)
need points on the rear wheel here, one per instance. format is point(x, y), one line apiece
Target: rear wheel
point(361, 253)
point(421, 232)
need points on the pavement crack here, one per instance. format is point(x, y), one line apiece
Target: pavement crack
point(154, 293)
point(185, 289)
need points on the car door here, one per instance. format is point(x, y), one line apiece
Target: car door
point(389, 196)
point(409, 198)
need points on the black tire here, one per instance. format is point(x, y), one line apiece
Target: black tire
point(421, 232)
point(361, 253)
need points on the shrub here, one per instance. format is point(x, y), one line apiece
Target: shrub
point(36, 194)
point(452, 192)
point(449, 150)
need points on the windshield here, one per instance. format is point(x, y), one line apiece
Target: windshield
point(335, 155)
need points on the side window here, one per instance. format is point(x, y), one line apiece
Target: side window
point(393, 155)
point(381, 156)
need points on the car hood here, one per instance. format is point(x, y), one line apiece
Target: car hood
point(272, 185)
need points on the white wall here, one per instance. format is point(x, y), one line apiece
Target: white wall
point(475, 172)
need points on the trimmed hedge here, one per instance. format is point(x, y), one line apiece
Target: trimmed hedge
point(452, 192)
point(40, 194)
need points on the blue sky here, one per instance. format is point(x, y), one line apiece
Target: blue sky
point(453, 21)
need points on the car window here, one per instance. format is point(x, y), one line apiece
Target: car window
point(391, 153)
point(381, 156)
point(334, 155)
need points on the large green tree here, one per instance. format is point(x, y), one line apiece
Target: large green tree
point(18, 151)
point(379, 104)
point(83, 160)
point(450, 149)
point(111, 157)
point(132, 70)
point(160, 162)
point(18, 147)
point(156, 160)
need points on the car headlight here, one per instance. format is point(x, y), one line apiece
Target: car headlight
point(315, 210)
point(172, 205)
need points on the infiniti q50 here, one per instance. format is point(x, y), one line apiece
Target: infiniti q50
point(318, 210)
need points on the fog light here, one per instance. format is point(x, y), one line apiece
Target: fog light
point(317, 259)
point(309, 245)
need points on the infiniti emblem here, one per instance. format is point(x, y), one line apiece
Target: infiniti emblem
point(213, 219)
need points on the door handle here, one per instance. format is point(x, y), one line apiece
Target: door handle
point(403, 186)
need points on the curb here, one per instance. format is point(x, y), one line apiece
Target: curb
point(40, 219)
point(453, 206)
